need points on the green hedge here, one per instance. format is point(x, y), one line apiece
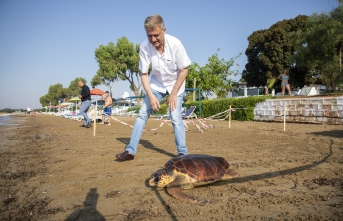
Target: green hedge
point(212, 107)
point(163, 110)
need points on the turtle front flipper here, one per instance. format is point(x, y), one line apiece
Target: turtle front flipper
point(175, 190)
point(231, 173)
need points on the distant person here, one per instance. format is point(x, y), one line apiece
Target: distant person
point(169, 62)
point(28, 110)
point(284, 82)
point(107, 107)
point(85, 97)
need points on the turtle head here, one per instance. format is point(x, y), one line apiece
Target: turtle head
point(159, 179)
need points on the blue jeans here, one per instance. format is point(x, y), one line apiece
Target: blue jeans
point(175, 116)
point(83, 110)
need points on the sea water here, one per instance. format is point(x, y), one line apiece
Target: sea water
point(5, 120)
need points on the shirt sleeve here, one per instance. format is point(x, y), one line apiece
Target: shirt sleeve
point(182, 59)
point(144, 60)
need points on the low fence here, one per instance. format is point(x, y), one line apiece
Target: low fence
point(311, 110)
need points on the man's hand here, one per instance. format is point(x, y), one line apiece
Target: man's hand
point(80, 96)
point(154, 103)
point(172, 99)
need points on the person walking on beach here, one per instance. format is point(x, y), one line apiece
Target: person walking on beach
point(107, 107)
point(169, 62)
point(284, 82)
point(85, 97)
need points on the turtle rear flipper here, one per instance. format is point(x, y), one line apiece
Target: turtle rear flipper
point(174, 189)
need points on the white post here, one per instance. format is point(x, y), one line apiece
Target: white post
point(230, 118)
point(96, 104)
point(245, 92)
point(273, 92)
point(94, 119)
point(284, 117)
point(194, 86)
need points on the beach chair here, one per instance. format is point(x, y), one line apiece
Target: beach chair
point(190, 113)
point(123, 113)
point(92, 113)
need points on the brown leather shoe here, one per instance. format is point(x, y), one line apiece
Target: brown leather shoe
point(125, 156)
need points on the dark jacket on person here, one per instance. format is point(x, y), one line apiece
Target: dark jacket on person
point(85, 93)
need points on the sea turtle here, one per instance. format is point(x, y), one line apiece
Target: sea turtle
point(189, 171)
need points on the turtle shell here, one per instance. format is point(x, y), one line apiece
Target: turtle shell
point(202, 168)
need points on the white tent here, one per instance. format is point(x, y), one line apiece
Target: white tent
point(309, 91)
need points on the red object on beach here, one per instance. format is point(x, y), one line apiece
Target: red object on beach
point(97, 91)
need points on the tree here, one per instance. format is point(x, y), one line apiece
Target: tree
point(270, 51)
point(74, 90)
point(118, 62)
point(319, 47)
point(107, 73)
point(56, 92)
point(213, 78)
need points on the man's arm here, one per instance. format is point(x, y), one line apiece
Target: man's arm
point(173, 95)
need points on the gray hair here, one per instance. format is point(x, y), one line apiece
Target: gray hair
point(154, 21)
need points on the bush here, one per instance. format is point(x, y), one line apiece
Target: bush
point(162, 110)
point(212, 107)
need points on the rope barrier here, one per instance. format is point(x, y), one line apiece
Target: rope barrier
point(163, 121)
point(228, 113)
point(185, 122)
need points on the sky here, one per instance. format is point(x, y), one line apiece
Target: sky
point(46, 42)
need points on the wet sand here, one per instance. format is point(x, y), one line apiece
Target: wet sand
point(51, 169)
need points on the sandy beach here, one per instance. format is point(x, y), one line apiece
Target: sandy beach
point(52, 169)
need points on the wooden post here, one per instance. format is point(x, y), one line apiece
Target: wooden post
point(194, 86)
point(94, 118)
point(284, 117)
point(230, 117)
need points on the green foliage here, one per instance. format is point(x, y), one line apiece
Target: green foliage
point(320, 46)
point(213, 107)
point(162, 110)
point(7, 110)
point(118, 62)
point(57, 92)
point(213, 77)
point(270, 51)
point(73, 90)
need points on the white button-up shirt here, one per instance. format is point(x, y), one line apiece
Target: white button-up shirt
point(165, 67)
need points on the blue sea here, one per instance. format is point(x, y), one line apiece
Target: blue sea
point(5, 120)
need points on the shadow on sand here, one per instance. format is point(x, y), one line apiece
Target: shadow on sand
point(148, 145)
point(331, 133)
point(89, 211)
